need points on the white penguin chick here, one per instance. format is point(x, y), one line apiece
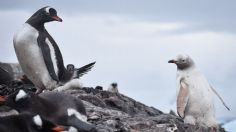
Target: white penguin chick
point(113, 88)
point(195, 100)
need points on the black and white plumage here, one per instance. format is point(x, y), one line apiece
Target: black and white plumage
point(38, 53)
point(27, 123)
point(58, 107)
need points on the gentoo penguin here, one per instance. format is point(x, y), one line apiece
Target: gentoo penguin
point(39, 55)
point(113, 88)
point(27, 123)
point(195, 95)
point(58, 107)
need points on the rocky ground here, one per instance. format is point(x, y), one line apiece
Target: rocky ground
point(114, 112)
point(110, 112)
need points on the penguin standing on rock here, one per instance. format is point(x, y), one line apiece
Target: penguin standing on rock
point(195, 100)
point(113, 88)
point(39, 55)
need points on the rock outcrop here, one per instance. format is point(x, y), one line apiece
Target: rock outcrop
point(111, 112)
point(114, 112)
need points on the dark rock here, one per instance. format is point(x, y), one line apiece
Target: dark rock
point(114, 112)
point(15, 86)
point(13, 69)
point(99, 87)
point(172, 113)
point(5, 76)
point(93, 99)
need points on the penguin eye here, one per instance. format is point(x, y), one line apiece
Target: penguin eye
point(183, 60)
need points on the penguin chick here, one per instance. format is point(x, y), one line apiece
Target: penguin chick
point(195, 100)
point(113, 88)
point(61, 108)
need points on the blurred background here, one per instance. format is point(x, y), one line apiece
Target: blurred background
point(132, 41)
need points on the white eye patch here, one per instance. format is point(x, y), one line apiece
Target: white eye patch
point(47, 9)
point(38, 121)
point(72, 111)
point(21, 94)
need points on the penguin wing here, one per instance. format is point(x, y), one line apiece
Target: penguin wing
point(47, 56)
point(83, 70)
point(220, 98)
point(60, 63)
point(182, 98)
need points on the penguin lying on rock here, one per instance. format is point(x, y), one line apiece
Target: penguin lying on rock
point(39, 55)
point(27, 123)
point(60, 108)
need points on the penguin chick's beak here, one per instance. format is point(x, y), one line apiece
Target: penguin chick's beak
point(172, 61)
point(58, 129)
point(2, 100)
point(56, 18)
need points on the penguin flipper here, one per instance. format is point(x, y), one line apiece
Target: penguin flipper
point(182, 98)
point(47, 57)
point(80, 125)
point(83, 70)
point(220, 98)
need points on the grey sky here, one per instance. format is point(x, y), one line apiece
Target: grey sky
point(133, 40)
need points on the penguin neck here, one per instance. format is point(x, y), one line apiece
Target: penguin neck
point(186, 70)
point(39, 25)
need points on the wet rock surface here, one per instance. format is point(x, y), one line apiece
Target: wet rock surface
point(114, 112)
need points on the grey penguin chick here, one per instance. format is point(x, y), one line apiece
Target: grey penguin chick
point(195, 99)
point(27, 123)
point(39, 55)
point(113, 88)
point(58, 107)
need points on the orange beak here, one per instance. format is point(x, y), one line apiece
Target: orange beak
point(58, 129)
point(56, 18)
point(2, 100)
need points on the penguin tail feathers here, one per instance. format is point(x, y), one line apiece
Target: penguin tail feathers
point(79, 72)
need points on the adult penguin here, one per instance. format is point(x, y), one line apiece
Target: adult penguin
point(58, 107)
point(28, 123)
point(39, 55)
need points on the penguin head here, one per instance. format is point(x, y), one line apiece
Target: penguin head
point(17, 99)
point(43, 125)
point(114, 84)
point(43, 15)
point(70, 68)
point(182, 61)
